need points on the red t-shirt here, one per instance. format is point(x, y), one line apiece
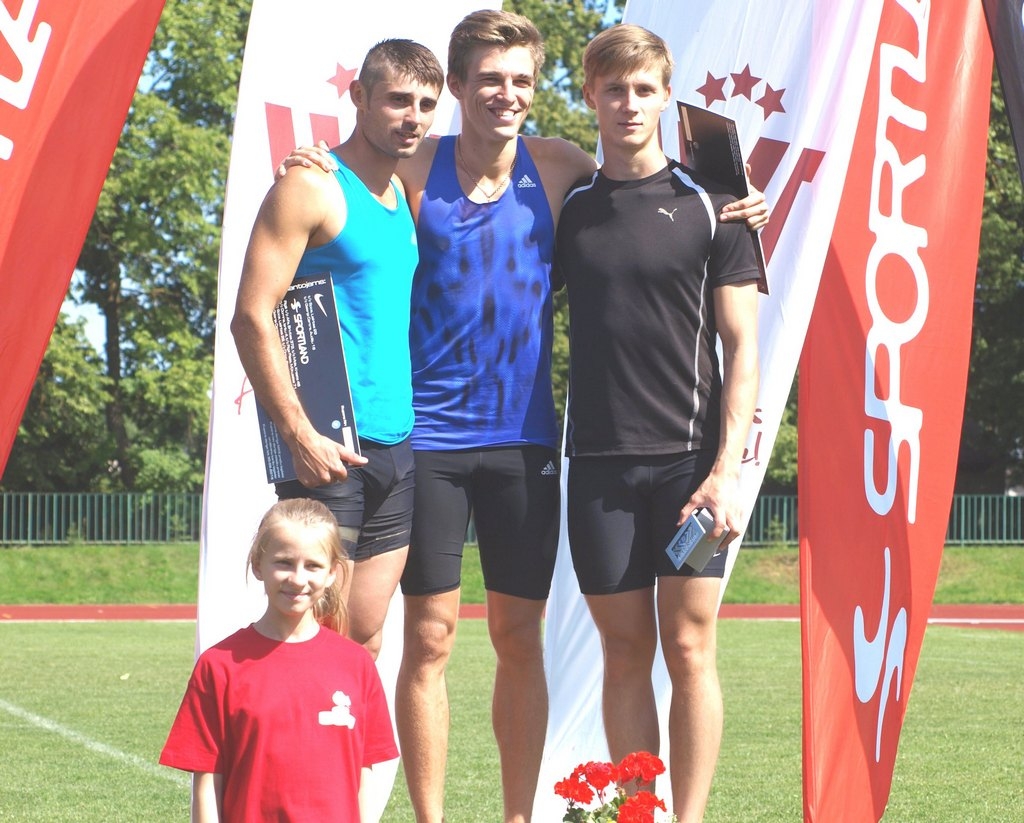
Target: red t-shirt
point(289, 726)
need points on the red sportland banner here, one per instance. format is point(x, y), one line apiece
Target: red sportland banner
point(882, 386)
point(68, 71)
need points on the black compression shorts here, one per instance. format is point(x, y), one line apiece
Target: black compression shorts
point(622, 513)
point(376, 499)
point(512, 494)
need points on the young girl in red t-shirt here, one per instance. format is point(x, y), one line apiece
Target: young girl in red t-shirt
point(279, 720)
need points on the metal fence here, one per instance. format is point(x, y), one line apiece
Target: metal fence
point(973, 519)
point(39, 518)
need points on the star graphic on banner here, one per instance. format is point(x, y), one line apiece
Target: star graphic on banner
point(771, 101)
point(342, 78)
point(744, 82)
point(713, 89)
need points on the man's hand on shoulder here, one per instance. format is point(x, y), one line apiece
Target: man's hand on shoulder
point(318, 156)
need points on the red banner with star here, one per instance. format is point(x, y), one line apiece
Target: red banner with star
point(67, 75)
point(882, 385)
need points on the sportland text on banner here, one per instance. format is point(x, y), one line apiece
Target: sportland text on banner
point(893, 323)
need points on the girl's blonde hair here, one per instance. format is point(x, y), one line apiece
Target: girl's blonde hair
point(319, 529)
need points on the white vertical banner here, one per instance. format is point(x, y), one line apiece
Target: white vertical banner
point(893, 324)
point(791, 73)
point(300, 57)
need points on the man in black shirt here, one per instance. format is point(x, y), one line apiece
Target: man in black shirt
point(656, 431)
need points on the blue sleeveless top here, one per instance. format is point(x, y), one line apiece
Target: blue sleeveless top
point(481, 325)
point(371, 263)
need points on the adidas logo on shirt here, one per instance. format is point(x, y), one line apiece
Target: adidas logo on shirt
point(526, 183)
point(549, 469)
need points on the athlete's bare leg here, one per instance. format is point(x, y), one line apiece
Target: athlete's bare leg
point(519, 710)
point(372, 583)
point(687, 613)
point(421, 699)
point(628, 632)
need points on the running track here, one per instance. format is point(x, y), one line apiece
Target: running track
point(1009, 617)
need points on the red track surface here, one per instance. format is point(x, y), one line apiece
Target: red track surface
point(1009, 617)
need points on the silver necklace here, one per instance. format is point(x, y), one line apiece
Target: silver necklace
point(488, 196)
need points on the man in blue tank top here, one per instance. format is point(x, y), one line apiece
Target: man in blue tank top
point(354, 224)
point(486, 205)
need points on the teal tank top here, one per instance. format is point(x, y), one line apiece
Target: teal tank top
point(371, 263)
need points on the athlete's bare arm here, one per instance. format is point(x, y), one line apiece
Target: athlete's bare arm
point(560, 164)
point(736, 318)
point(305, 208)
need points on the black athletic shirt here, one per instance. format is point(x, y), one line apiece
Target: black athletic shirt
point(640, 260)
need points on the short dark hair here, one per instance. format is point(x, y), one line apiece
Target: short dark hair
point(399, 59)
point(493, 28)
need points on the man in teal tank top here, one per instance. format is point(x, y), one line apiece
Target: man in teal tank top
point(356, 225)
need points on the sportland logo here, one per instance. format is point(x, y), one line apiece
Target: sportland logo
point(877, 661)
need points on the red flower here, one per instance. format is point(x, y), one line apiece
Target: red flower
point(640, 808)
point(599, 775)
point(642, 767)
point(580, 786)
point(574, 790)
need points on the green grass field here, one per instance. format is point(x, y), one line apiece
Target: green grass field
point(85, 707)
point(166, 573)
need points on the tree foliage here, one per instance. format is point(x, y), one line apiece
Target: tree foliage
point(780, 476)
point(994, 426)
point(62, 443)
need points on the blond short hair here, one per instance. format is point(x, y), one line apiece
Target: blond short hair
point(625, 49)
point(493, 28)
